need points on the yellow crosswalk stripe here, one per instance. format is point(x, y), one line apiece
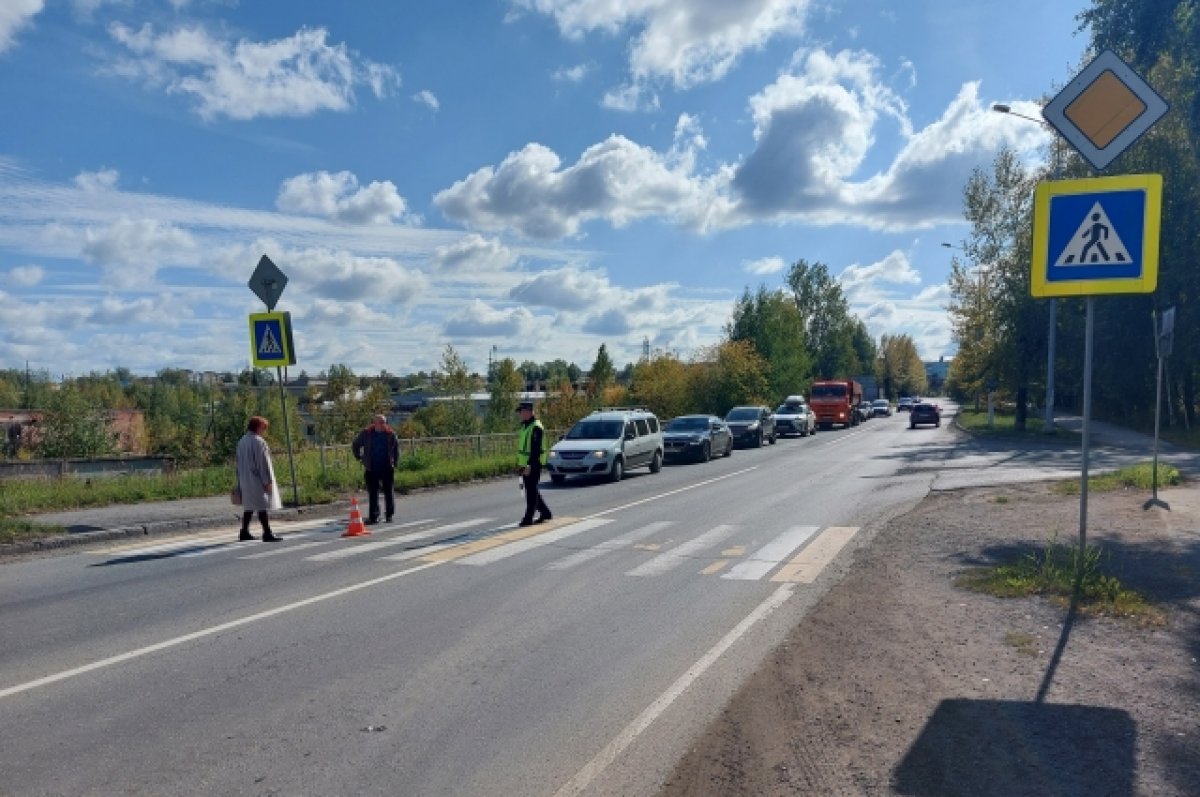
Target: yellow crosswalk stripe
point(808, 564)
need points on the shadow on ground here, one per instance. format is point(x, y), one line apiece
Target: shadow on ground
point(1002, 748)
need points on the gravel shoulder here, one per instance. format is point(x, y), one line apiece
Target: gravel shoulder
point(899, 682)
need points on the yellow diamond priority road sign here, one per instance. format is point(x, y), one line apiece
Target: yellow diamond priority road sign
point(1104, 109)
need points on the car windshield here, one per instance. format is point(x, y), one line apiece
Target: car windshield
point(791, 409)
point(828, 391)
point(596, 430)
point(691, 424)
point(879, 403)
point(742, 414)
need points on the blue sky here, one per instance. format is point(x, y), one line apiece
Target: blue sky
point(538, 176)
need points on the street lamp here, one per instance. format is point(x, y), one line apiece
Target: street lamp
point(1052, 333)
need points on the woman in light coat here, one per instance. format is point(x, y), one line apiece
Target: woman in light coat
point(256, 479)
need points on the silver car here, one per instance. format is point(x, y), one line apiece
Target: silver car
point(795, 418)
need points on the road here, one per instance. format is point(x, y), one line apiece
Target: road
point(450, 653)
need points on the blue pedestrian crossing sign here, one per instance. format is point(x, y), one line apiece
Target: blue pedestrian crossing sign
point(271, 339)
point(1095, 236)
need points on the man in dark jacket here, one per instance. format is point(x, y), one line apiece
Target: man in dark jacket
point(531, 457)
point(378, 449)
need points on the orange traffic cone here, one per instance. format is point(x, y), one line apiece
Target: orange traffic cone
point(356, 527)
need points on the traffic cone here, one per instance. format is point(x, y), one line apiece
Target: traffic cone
point(356, 527)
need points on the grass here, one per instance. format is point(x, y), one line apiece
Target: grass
point(1052, 573)
point(1004, 425)
point(319, 479)
point(1139, 476)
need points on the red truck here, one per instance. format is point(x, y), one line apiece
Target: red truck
point(833, 402)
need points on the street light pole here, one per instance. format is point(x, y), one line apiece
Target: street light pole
point(1052, 332)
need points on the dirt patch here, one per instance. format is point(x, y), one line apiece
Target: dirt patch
point(899, 682)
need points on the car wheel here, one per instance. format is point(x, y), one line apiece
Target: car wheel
point(656, 463)
point(758, 441)
point(557, 478)
point(773, 438)
point(706, 452)
point(729, 448)
point(912, 426)
point(618, 470)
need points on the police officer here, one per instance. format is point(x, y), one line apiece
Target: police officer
point(531, 456)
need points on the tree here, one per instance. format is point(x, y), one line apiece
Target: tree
point(502, 406)
point(774, 327)
point(999, 327)
point(563, 406)
point(900, 370)
point(660, 384)
point(74, 427)
point(826, 314)
point(457, 384)
point(602, 373)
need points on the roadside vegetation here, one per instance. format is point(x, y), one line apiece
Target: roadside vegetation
point(1139, 477)
point(1004, 424)
point(1053, 571)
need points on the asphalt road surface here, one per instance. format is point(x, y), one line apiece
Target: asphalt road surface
point(449, 652)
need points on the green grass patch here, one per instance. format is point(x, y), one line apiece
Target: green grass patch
point(1052, 572)
point(1004, 425)
point(1139, 476)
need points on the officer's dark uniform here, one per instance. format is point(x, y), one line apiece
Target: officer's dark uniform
point(531, 457)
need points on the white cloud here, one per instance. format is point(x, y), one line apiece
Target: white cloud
point(564, 289)
point(132, 250)
point(764, 265)
point(617, 180)
point(573, 74)
point(339, 196)
point(346, 276)
point(295, 76)
point(894, 269)
point(427, 97)
point(25, 276)
point(474, 253)
point(610, 322)
point(684, 41)
point(480, 320)
point(94, 182)
point(14, 15)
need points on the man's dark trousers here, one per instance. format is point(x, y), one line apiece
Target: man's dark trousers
point(377, 480)
point(533, 497)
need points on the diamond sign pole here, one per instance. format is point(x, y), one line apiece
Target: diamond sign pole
point(267, 282)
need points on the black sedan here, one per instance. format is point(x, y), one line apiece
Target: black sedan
point(696, 437)
point(924, 413)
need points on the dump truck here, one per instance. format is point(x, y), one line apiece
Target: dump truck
point(833, 401)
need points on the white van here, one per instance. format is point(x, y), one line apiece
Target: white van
point(607, 443)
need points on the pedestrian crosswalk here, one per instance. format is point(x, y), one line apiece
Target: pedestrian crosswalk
point(730, 552)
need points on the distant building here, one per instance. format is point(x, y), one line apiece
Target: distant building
point(936, 374)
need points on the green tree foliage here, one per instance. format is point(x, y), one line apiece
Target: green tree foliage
point(774, 326)
point(864, 348)
point(74, 427)
point(507, 382)
point(661, 384)
point(900, 370)
point(602, 374)
point(725, 376)
point(564, 406)
point(828, 324)
point(1000, 329)
point(456, 386)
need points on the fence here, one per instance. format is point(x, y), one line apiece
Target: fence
point(83, 468)
point(474, 446)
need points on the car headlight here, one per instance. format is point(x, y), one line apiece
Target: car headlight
point(553, 454)
point(752, 426)
point(600, 454)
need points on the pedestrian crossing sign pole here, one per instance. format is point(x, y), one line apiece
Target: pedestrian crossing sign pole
point(271, 340)
point(1096, 236)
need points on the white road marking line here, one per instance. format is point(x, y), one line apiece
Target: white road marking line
point(587, 554)
point(766, 558)
point(375, 545)
point(605, 757)
point(286, 549)
point(204, 632)
point(676, 556)
point(417, 553)
point(221, 548)
point(491, 555)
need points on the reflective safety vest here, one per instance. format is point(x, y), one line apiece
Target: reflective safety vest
point(525, 443)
